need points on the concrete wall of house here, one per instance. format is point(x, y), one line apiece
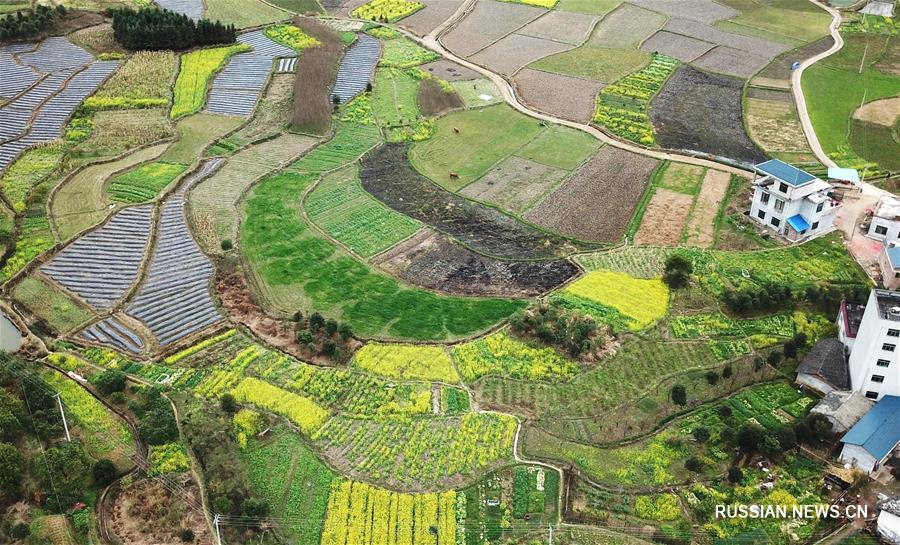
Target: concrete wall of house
point(842, 332)
point(858, 456)
point(868, 357)
point(888, 526)
point(891, 279)
point(882, 229)
point(815, 383)
point(764, 212)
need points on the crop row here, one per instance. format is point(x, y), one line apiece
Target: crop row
point(222, 379)
point(719, 325)
point(406, 362)
point(500, 354)
point(197, 68)
point(145, 182)
point(642, 301)
point(303, 412)
point(623, 107)
point(350, 140)
point(356, 69)
point(423, 450)
point(111, 332)
point(387, 11)
point(360, 513)
point(200, 346)
point(168, 458)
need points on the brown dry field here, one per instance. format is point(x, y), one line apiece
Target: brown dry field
point(146, 513)
point(449, 70)
point(664, 218)
point(700, 31)
point(433, 100)
point(515, 184)
point(775, 126)
point(561, 26)
point(428, 18)
point(515, 51)
point(705, 11)
point(733, 62)
point(700, 229)
point(487, 23)
point(683, 48)
point(597, 201)
point(881, 112)
point(556, 94)
point(312, 101)
point(626, 27)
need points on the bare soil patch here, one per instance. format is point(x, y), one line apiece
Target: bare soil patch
point(770, 95)
point(515, 184)
point(775, 126)
point(561, 26)
point(664, 218)
point(705, 11)
point(598, 199)
point(780, 67)
point(626, 27)
point(318, 66)
point(513, 52)
point(735, 62)
point(683, 48)
point(433, 14)
point(146, 512)
point(700, 31)
point(450, 71)
point(556, 94)
point(701, 227)
point(433, 261)
point(386, 173)
point(434, 100)
point(881, 112)
point(487, 23)
point(700, 111)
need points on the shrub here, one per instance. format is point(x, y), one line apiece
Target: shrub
point(30, 22)
point(679, 395)
point(678, 271)
point(316, 322)
point(800, 340)
point(109, 381)
point(20, 530)
point(727, 371)
point(304, 337)
point(735, 475)
point(693, 464)
point(711, 377)
point(227, 245)
point(724, 411)
point(228, 404)
point(790, 349)
point(186, 535)
point(104, 473)
point(701, 435)
point(749, 437)
point(774, 357)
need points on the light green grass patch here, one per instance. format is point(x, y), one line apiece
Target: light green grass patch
point(593, 62)
point(560, 147)
point(405, 53)
point(243, 13)
point(591, 7)
point(345, 211)
point(477, 93)
point(61, 312)
point(485, 137)
point(682, 178)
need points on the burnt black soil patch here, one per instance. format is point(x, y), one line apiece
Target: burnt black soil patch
point(387, 175)
point(702, 112)
point(431, 260)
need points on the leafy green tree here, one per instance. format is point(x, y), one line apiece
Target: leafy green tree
point(693, 464)
point(109, 381)
point(61, 471)
point(735, 475)
point(228, 404)
point(104, 473)
point(679, 395)
point(11, 466)
point(712, 377)
point(701, 434)
point(678, 270)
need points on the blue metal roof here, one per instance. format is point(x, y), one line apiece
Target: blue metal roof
point(894, 256)
point(846, 174)
point(798, 222)
point(879, 430)
point(785, 172)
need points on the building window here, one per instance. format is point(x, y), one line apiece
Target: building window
point(779, 205)
point(880, 230)
point(893, 332)
point(761, 214)
point(872, 395)
point(888, 347)
point(782, 187)
point(776, 222)
point(815, 225)
point(764, 198)
point(896, 275)
point(878, 378)
point(820, 207)
point(882, 363)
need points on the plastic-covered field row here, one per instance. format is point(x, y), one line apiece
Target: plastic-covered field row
point(102, 265)
point(191, 8)
point(174, 300)
point(16, 77)
point(357, 68)
point(53, 114)
point(287, 65)
point(54, 54)
point(113, 333)
point(237, 88)
point(16, 115)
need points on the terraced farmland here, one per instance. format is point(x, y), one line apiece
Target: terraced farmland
point(174, 299)
point(101, 266)
point(114, 334)
point(356, 69)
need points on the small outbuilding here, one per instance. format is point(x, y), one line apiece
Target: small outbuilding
point(888, 524)
point(871, 441)
point(825, 369)
point(885, 222)
point(843, 409)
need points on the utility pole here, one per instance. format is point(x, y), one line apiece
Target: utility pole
point(550, 526)
point(218, 535)
point(63, 413)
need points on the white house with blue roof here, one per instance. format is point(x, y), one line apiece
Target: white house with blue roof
point(792, 202)
point(872, 440)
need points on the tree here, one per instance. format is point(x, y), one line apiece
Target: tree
point(104, 473)
point(345, 331)
point(254, 507)
point(109, 381)
point(701, 435)
point(724, 411)
point(331, 327)
point(298, 316)
point(786, 437)
point(11, 466)
point(20, 530)
point(186, 535)
point(679, 395)
point(800, 340)
point(693, 464)
point(727, 371)
point(305, 337)
point(316, 322)
point(223, 505)
point(61, 471)
point(749, 437)
point(774, 358)
point(228, 404)
point(769, 445)
point(677, 271)
point(227, 245)
point(790, 349)
point(757, 363)
point(735, 475)
point(711, 377)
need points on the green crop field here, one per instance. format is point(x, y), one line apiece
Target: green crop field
point(144, 182)
point(300, 269)
point(61, 311)
point(244, 13)
point(485, 136)
point(341, 207)
point(560, 147)
point(197, 69)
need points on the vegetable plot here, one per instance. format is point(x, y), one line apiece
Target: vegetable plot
point(111, 332)
point(304, 413)
point(102, 265)
point(387, 11)
point(197, 68)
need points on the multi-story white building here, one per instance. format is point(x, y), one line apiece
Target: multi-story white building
point(792, 202)
point(885, 222)
point(875, 357)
